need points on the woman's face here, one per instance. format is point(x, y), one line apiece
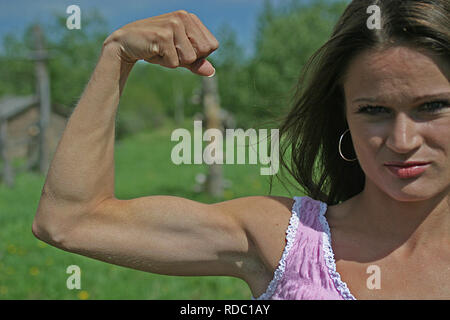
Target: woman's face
point(405, 99)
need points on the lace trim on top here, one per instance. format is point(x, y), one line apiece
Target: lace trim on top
point(329, 256)
point(290, 237)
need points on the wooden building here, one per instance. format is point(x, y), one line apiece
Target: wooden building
point(20, 134)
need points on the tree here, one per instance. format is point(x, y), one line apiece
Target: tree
point(260, 88)
point(287, 38)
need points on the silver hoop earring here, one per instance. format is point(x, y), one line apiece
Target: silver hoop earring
point(340, 151)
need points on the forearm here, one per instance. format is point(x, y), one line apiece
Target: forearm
point(82, 170)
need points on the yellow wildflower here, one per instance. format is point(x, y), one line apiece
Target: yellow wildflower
point(34, 271)
point(83, 295)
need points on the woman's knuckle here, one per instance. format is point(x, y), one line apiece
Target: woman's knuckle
point(118, 34)
point(181, 13)
point(154, 48)
point(165, 34)
point(173, 64)
point(215, 44)
point(203, 48)
point(172, 61)
point(174, 22)
point(189, 59)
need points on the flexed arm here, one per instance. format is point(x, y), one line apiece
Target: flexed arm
point(81, 174)
point(78, 211)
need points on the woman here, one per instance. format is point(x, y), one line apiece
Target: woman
point(373, 227)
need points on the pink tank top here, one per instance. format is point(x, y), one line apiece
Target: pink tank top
point(307, 269)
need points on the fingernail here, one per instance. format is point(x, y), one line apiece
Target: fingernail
point(212, 74)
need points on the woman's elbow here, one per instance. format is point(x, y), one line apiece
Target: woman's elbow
point(50, 233)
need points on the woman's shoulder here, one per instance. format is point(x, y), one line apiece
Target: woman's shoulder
point(266, 219)
point(258, 213)
point(260, 207)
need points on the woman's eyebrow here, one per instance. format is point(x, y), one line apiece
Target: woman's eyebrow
point(441, 95)
point(363, 99)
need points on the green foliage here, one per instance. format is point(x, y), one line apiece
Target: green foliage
point(261, 88)
point(73, 55)
point(232, 75)
point(17, 73)
point(288, 40)
point(150, 97)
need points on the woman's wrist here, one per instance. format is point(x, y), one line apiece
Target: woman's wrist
point(112, 48)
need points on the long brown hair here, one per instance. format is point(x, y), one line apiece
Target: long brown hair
point(312, 128)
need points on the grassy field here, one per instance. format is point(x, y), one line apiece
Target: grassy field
point(31, 269)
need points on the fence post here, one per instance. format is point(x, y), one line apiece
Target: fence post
point(214, 180)
point(8, 173)
point(43, 91)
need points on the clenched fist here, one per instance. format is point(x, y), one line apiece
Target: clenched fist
point(175, 39)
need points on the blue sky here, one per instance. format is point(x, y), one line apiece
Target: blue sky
point(241, 15)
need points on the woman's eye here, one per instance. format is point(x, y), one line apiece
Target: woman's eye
point(371, 109)
point(435, 106)
point(430, 107)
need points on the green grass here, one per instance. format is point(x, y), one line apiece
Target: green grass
point(31, 269)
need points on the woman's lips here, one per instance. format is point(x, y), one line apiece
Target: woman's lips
point(408, 171)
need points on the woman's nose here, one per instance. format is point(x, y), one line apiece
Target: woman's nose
point(403, 135)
